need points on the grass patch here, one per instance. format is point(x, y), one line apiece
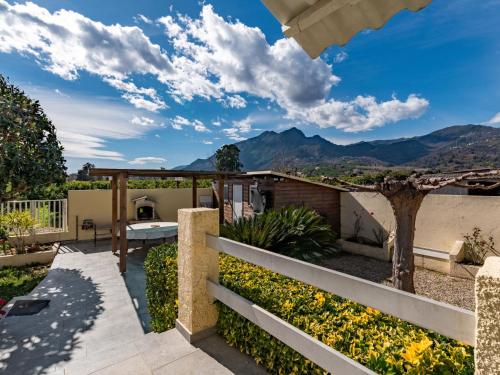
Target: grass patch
point(19, 281)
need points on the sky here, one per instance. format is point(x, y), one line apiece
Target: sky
point(160, 83)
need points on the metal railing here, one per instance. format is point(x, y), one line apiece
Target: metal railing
point(445, 319)
point(49, 215)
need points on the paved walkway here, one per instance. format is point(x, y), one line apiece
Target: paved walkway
point(97, 323)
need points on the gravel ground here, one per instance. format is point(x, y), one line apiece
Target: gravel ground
point(435, 285)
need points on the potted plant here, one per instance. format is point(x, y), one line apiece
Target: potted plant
point(21, 224)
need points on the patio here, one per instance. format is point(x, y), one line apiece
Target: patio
point(97, 323)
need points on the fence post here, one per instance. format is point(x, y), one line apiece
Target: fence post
point(196, 263)
point(487, 349)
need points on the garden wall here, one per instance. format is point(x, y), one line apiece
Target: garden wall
point(442, 219)
point(96, 205)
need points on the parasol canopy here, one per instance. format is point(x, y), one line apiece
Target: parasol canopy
point(318, 24)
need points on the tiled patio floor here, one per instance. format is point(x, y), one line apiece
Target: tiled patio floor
point(97, 323)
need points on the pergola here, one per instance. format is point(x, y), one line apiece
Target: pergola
point(119, 178)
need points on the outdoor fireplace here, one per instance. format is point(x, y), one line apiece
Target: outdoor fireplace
point(144, 208)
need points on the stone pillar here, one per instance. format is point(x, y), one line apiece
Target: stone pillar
point(196, 263)
point(487, 351)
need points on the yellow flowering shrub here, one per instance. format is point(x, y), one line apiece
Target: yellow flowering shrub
point(385, 344)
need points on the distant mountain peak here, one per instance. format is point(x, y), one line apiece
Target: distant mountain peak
point(293, 131)
point(453, 147)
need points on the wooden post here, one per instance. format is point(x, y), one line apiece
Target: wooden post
point(114, 213)
point(123, 222)
point(195, 193)
point(220, 194)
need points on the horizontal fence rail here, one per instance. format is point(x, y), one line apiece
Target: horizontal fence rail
point(311, 348)
point(442, 318)
point(49, 215)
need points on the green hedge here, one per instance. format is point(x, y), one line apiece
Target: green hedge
point(60, 191)
point(383, 343)
point(161, 286)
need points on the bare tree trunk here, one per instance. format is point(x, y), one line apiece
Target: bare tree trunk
point(405, 205)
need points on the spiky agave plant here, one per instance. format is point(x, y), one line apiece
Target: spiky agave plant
point(297, 232)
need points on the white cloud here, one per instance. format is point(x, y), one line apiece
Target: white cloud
point(239, 129)
point(340, 57)
point(142, 18)
point(140, 97)
point(179, 122)
point(218, 59)
point(495, 120)
point(65, 43)
point(147, 160)
point(59, 92)
point(235, 101)
point(205, 142)
point(361, 114)
point(85, 133)
point(142, 121)
point(213, 59)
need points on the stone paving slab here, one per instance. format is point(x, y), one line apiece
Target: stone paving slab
point(97, 323)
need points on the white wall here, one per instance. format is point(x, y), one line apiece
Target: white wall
point(441, 221)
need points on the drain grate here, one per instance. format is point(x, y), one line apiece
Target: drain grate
point(28, 307)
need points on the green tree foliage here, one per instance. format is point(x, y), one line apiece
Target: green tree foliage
point(30, 154)
point(84, 173)
point(296, 232)
point(227, 159)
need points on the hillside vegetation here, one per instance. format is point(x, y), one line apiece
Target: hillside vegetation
point(452, 148)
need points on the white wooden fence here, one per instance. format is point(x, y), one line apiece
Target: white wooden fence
point(199, 286)
point(445, 319)
point(49, 215)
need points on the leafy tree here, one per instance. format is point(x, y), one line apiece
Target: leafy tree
point(405, 196)
point(84, 173)
point(30, 154)
point(227, 159)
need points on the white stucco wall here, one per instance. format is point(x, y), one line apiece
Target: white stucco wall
point(442, 219)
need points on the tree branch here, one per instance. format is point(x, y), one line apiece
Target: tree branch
point(478, 186)
point(434, 183)
point(365, 188)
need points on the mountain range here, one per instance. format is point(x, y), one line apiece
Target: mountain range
point(451, 148)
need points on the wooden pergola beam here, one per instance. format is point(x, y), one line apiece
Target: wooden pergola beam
point(160, 173)
point(123, 222)
point(220, 198)
point(195, 192)
point(119, 194)
point(114, 213)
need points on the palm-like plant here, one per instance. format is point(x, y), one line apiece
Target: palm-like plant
point(296, 232)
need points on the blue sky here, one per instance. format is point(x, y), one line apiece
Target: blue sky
point(161, 83)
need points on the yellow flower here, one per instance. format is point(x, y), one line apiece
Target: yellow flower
point(413, 353)
point(372, 311)
point(320, 298)
point(288, 306)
